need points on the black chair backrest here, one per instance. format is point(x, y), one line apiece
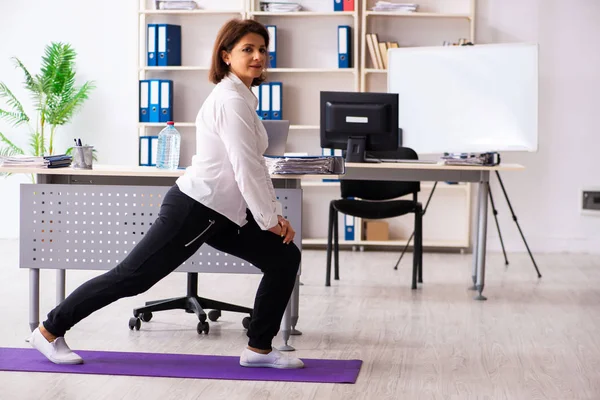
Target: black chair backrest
point(382, 190)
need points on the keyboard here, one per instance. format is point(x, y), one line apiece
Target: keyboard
point(396, 160)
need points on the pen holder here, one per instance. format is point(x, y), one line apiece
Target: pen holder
point(82, 157)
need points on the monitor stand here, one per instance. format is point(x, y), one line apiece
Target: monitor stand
point(355, 151)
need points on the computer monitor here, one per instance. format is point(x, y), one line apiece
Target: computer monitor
point(359, 122)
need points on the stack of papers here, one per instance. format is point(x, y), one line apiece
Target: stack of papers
point(22, 161)
point(326, 165)
point(276, 6)
point(487, 159)
point(176, 5)
point(395, 7)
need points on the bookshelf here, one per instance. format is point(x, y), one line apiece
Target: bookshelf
point(307, 64)
point(190, 80)
point(435, 21)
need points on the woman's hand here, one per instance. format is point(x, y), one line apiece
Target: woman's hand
point(284, 229)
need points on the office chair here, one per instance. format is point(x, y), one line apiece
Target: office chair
point(191, 303)
point(377, 200)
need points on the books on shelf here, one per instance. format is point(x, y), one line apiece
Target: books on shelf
point(391, 6)
point(277, 6)
point(461, 42)
point(488, 159)
point(378, 50)
point(175, 5)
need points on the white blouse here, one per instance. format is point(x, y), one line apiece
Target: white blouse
point(228, 172)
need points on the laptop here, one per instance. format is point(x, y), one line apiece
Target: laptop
point(277, 132)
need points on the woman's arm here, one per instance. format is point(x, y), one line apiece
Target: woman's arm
point(235, 123)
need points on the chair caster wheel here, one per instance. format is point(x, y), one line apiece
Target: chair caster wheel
point(135, 323)
point(214, 315)
point(146, 317)
point(202, 328)
point(246, 322)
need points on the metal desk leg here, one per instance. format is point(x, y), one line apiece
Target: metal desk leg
point(295, 307)
point(34, 298)
point(474, 238)
point(482, 217)
point(60, 285)
point(286, 324)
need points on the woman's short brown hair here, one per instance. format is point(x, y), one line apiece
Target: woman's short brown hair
point(229, 35)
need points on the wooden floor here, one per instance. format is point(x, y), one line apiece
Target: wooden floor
point(533, 339)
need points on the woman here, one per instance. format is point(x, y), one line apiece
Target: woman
point(225, 199)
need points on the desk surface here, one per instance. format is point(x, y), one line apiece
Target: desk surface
point(122, 170)
point(125, 170)
point(423, 166)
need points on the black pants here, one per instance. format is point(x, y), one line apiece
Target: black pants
point(182, 226)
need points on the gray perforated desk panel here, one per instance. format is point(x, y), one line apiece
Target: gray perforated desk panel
point(95, 226)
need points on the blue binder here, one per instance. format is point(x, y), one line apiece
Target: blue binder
point(265, 100)
point(148, 151)
point(153, 150)
point(344, 47)
point(256, 91)
point(168, 45)
point(151, 45)
point(338, 5)
point(154, 103)
point(349, 225)
point(166, 101)
point(145, 151)
point(276, 100)
point(272, 29)
point(144, 92)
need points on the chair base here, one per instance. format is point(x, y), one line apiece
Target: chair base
point(191, 303)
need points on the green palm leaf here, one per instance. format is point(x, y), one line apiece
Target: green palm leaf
point(10, 149)
point(18, 112)
point(36, 144)
point(14, 118)
point(58, 68)
point(32, 84)
point(65, 107)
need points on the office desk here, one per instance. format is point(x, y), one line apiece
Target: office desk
point(447, 173)
point(90, 219)
point(151, 177)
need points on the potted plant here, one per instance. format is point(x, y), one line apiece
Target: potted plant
point(55, 96)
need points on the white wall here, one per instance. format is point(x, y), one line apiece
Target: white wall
point(104, 34)
point(545, 197)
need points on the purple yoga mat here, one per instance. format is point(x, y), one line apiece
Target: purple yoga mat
point(179, 366)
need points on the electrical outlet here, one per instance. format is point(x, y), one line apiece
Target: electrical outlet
point(590, 204)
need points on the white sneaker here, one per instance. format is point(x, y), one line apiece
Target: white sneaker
point(275, 359)
point(57, 351)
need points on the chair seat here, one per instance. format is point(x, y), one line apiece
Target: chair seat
point(374, 209)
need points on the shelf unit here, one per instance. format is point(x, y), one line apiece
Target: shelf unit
point(432, 10)
point(193, 125)
point(187, 19)
point(300, 14)
point(313, 10)
point(423, 28)
point(191, 12)
point(307, 64)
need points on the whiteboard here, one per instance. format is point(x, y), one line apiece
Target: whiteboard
point(466, 98)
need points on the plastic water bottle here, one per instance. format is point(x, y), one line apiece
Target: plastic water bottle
point(169, 141)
